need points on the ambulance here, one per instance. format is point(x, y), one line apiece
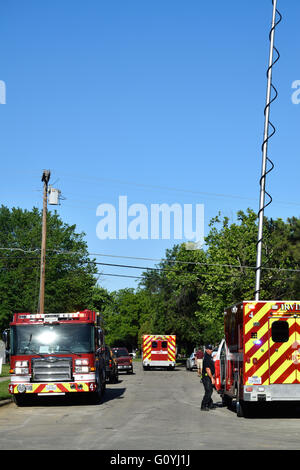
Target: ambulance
point(159, 351)
point(259, 358)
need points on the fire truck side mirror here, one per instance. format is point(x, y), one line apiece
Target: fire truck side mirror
point(99, 337)
point(5, 337)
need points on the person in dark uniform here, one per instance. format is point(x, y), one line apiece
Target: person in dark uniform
point(208, 379)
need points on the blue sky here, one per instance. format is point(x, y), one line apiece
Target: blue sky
point(160, 101)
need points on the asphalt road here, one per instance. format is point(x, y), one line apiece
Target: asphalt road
point(149, 410)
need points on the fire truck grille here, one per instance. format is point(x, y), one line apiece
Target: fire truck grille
point(52, 369)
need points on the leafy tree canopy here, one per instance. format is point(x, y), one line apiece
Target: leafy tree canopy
point(69, 277)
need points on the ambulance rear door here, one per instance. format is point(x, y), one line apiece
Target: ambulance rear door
point(284, 349)
point(159, 350)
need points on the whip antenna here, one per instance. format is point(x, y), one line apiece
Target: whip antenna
point(265, 158)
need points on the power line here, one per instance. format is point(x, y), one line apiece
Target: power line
point(155, 187)
point(121, 275)
point(145, 268)
point(194, 263)
point(168, 188)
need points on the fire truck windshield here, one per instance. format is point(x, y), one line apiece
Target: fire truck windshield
point(52, 339)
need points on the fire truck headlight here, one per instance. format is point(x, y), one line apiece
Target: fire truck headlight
point(21, 363)
point(21, 368)
point(81, 362)
point(82, 366)
point(21, 371)
point(82, 370)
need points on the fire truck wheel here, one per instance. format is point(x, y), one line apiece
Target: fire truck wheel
point(96, 397)
point(226, 401)
point(116, 379)
point(21, 400)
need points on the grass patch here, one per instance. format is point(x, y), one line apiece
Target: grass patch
point(5, 370)
point(4, 394)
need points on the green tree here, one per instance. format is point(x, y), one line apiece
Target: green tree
point(196, 286)
point(70, 277)
point(122, 319)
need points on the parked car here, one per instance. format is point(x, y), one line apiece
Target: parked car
point(111, 366)
point(124, 360)
point(191, 362)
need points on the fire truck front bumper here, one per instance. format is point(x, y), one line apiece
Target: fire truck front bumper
point(274, 392)
point(54, 388)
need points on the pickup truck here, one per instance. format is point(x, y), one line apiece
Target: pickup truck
point(124, 360)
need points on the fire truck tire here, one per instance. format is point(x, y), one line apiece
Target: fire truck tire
point(21, 400)
point(226, 401)
point(116, 379)
point(96, 397)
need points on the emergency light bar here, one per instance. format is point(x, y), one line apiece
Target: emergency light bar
point(52, 316)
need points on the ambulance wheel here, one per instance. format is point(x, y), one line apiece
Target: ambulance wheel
point(239, 410)
point(243, 410)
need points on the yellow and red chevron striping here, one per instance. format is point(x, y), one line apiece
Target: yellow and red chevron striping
point(283, 367)
point(55, 387)
point(272, 362)
point(147, 345)
point(256, 352)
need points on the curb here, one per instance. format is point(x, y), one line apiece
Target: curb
point(6, 402)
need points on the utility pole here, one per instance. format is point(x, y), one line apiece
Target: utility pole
point(45, 179)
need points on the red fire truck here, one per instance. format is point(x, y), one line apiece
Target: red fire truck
point(259, 358)
point(56, 354)
point(159, 351)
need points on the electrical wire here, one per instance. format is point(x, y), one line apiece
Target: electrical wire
point(193, 263)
